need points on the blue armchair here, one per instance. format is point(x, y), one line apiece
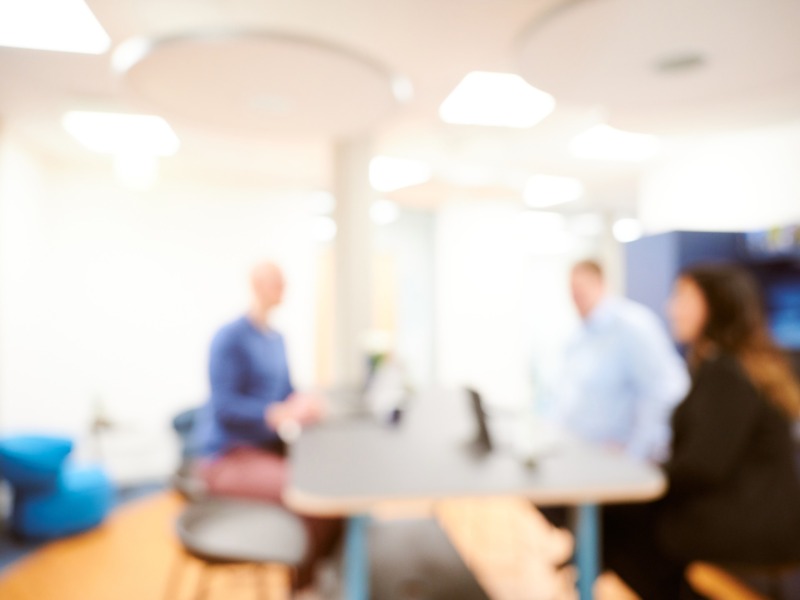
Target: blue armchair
point(51, 496)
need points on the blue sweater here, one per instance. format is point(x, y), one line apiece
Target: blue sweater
point(248, 371)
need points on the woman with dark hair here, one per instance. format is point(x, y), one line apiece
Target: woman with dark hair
point(734, 491)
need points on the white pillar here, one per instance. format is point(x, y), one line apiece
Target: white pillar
point(353, 262)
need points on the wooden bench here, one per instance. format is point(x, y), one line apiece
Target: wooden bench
point(717, 583)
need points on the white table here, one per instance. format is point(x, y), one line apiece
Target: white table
point(348, 468)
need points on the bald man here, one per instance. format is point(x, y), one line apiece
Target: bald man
point(252, 400)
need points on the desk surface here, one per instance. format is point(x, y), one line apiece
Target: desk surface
point(345, 468)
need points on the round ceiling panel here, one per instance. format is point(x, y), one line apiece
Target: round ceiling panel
point(260, 83)
point(653, 65)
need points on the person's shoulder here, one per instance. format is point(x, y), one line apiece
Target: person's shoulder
point(725, 367)
point(230, 333)
point(635, 316)
point(722, 364)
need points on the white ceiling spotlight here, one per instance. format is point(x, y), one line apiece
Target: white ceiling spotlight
point(323, 229)
point(627, 230)
point(603, 142)
point(543, 191)
point(56, 25)
point(384, 212)
point(135, 141)
point(115, 133)
point(496, 100)
point(387, 174)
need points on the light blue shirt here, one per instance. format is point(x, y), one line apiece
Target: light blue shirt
point(621, 380)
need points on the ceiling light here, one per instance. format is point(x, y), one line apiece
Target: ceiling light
point(679, 63)
point(323, 229)
point(496, 100)
point(384, 212)
point(112, 133)
point(59, 25)
point(402, 89)
point(549, 190)
point(627, 230)
point(387, 174)
point(603, 142)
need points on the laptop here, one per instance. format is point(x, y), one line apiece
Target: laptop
point(483, 438)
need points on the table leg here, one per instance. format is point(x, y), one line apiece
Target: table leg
point(587, 551)
point(356, 559)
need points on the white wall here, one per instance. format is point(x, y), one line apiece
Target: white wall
point(112, 295)
point(729, 182)
point(20, 236)
point(503, 307)
point(410, 243)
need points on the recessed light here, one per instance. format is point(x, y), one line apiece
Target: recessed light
point(680, 62)
point(627, 230)
point(115, 133)
point(387, 174)
point(323, 229)
point(496, 100)
point(57, 25)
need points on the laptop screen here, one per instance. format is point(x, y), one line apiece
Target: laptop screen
point(483, 438)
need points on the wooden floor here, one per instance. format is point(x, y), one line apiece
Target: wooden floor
point(506, 543)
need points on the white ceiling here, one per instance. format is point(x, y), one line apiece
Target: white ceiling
point(265, 107)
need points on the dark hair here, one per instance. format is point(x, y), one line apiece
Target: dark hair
point(736, 323)
point(592, 266)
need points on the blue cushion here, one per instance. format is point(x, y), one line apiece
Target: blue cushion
point(32, 461)
point(80, 501)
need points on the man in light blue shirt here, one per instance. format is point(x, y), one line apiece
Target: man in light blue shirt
point(622, 377)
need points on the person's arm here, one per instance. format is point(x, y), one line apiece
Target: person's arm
point(715, 426)
point(236, 411)
point(661, 381)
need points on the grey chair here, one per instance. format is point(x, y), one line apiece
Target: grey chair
point(218, 532)
point(184, 480)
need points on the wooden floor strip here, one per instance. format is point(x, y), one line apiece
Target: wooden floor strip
point(509, 546)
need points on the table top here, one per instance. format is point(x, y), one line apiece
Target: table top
point(350, 467)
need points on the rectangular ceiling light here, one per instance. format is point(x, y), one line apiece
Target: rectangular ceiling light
point(550, 190)
point(387, 174)
point(496, 100)
point(603, 142)
point(113, 133)
point(59, 25)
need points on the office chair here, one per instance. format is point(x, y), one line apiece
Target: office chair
point(225, 532)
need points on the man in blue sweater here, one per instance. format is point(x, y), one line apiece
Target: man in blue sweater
point(253, 401)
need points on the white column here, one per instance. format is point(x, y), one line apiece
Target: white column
point(353, 262)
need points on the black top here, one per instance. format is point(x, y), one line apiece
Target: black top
point(734, 492)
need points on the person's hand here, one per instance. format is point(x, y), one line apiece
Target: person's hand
point(277, 414)
point(307, 408)
point(300, 408)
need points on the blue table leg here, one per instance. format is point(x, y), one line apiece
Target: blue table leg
point(587, 551)
point(356, 559)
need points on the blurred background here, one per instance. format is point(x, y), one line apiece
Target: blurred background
point(425, 171)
